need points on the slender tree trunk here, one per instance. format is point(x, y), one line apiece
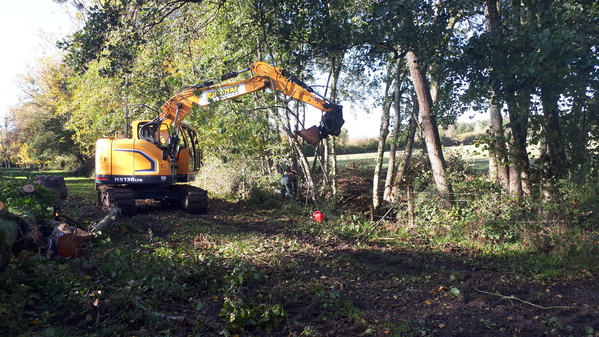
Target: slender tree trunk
point(578, 136)
point(498, 166)
point(498, 161)
point(397, 92)
point(333, 167)
point(555, 159)
point(337, 63)
point(392, 154)
point(431, 132)
point(296, 146)
point(518, 155)
point(407, 151)
point(383, 132)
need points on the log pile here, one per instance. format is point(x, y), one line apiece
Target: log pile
point(21, 231)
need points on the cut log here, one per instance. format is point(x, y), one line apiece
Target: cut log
point(56, 183)
point(68, 241)
point(28, 189)
point(108, 220)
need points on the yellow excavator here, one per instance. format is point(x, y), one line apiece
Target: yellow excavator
point(162, 154)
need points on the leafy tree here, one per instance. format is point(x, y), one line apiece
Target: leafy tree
point(36, 121)
point(421, 32)
point(538, 63)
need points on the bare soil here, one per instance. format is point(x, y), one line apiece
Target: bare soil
point(337, 287)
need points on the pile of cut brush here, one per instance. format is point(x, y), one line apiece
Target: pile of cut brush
point(31, 221)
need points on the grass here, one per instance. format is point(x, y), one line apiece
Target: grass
point(272, 271)
point(471, 154)
point(82, 187)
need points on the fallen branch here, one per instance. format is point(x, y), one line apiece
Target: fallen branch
point(178, 319)
point(108, 220)
point(69, 220)
point(512, 297)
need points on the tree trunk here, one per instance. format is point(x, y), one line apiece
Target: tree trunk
point(555, 159)
point(498, 161)
point(392, 70)
point(407, 151)
point(389, 181)
point(498, 166)
point(518, 155)
point(333, 166)
point(296, 146)
point(383, 132)
point(431, 132)
point(330, 145)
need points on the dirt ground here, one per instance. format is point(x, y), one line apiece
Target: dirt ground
point(335, 286)
point(375, 289)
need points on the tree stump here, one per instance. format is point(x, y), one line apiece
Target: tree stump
point(28, 190)
point(56, 183)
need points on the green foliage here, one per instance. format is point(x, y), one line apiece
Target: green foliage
point(241, 179)
point(355, 227)
point(237, 314)
point(32, 207)
point(485, 216)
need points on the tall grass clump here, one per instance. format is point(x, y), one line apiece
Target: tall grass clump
point(564, 228)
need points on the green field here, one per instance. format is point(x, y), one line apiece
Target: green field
point(77, 185)
point(469, 153)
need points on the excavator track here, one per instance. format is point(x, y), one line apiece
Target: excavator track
point(194, 200)
point(120, 197)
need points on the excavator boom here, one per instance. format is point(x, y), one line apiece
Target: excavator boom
point(176, 109)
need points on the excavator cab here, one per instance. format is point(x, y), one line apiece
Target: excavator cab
point(183, 146)
point(156, 133)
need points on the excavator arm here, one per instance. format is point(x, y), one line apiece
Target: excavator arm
point(176, 109)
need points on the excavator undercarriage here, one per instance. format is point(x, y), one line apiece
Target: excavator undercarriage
point(191, 199)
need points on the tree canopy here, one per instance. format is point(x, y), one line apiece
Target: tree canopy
point(540, 59)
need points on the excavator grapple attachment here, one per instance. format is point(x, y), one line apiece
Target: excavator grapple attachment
point(330, 125)
point(310, 135)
